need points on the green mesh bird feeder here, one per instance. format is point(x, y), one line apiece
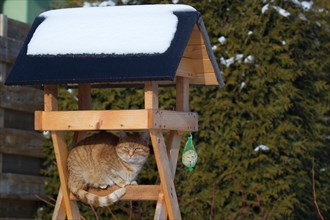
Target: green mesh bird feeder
point(189, 156)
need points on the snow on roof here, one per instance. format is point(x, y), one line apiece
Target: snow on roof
point(146, 29)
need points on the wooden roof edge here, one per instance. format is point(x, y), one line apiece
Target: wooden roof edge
point(209, 50)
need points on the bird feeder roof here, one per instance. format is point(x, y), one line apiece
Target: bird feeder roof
point(122, 44)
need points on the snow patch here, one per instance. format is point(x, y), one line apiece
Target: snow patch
point(281, 11)
point(261, 148)
point(227, 62)
point(239, 57)
point(146, 29)
point(264, 8)
point(249, 59)
point(222, 40)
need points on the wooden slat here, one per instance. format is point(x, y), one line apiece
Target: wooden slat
point(17, 29)
point(16, 119)
point(196, 52)
point(9, 49)
point(20, 98)
point(115, 120)
point(196, 37)
point(27, 143)
point(186, 68)
point(3, 33)
point(133, 192)
point(21, 186)
point(204, 79)
point(202, 66)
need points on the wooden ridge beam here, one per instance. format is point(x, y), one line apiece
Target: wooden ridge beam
point(115, 120)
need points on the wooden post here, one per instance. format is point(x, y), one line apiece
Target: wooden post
point(168, 196)
point(3, 32)
point(84, 103)
point(173, 145)
point(61, 154)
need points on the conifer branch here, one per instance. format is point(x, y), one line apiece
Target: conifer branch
point(212, 201)
point(314, 194)
point(271, 211)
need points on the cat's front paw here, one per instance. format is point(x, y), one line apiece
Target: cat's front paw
point(134, 182)
point(103, 186)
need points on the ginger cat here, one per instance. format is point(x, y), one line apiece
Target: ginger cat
point(103, 160)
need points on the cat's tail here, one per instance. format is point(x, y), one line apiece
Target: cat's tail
point(99, 201)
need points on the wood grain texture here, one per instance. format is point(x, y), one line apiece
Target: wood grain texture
point(21, 186)
point(165, 174)
point(133, 192)
point(115, 120)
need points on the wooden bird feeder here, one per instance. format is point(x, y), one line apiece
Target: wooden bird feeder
point(118, 46)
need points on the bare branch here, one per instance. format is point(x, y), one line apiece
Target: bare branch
point(314, 194)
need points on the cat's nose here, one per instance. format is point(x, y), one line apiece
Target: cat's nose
point(130, 153)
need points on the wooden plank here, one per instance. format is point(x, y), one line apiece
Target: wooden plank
point(27, 143)
point(17, 29)
point(196, 52)
point(115, 120)
point(2, 118)
point(172, 120)
point(20, 98)
point(9, 49)
point(25, 187)
point(202, 66)
point(17, 119)
point(17, 209)
point(165, 174)
point(61, 155)
point(186, 68)
point(92, 120)
point(18, 164)
point(3, 33)
point(204, 79)
point(196, 37)
point(133, 192)
point(3, 25)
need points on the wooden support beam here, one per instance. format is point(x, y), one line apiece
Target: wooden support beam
point(165, 174)
point(174, 140)
point(141, 119)
point(133, 192)
point(84, 103)
point(61, 154)
point(151, 95)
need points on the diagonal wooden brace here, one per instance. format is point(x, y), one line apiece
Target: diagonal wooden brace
point(165, 174)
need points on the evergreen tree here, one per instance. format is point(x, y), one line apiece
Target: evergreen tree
point(264, 134)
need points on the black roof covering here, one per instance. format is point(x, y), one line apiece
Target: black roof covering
point(83, 68)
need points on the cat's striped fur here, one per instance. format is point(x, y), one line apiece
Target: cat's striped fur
point(103, 160)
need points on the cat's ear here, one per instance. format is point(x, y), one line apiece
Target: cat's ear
point(145, 137)
point(122, 134)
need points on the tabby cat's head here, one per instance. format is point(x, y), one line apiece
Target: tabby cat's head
point(133, 148)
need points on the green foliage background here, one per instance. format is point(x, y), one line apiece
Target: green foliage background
point(280, 100)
